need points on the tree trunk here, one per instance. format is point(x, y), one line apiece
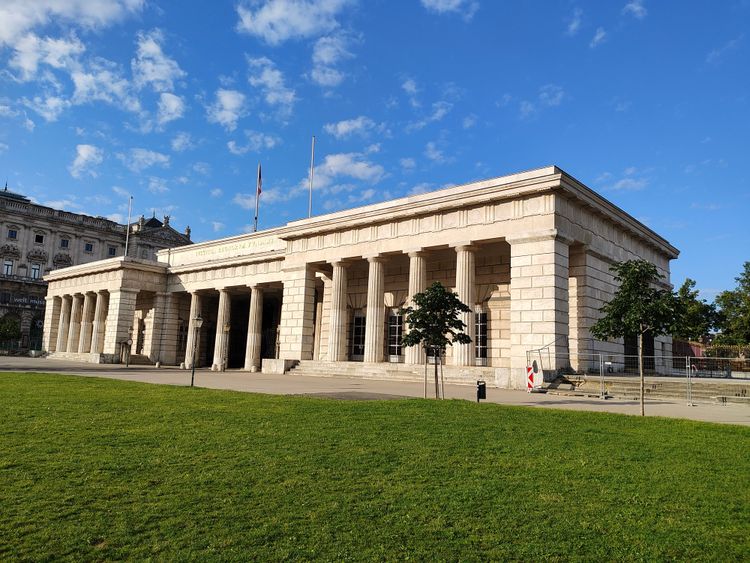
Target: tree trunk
point(436, 358)
point(640, 370)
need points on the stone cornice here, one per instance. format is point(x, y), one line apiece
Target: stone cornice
point(111, 264)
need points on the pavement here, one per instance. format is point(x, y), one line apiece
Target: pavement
point(344, 388)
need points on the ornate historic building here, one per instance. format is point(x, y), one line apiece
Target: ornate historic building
point(530, 253)
point(35, 240)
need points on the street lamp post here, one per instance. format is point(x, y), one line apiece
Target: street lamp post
point(198, 324)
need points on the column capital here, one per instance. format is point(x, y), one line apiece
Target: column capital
point(464, 246)
point(552, 234)
point(376, 258)
point(340, 262)
point(415, 252)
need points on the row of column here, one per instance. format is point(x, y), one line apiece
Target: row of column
point(223, 324)
point(374, 345)
point(82, 322)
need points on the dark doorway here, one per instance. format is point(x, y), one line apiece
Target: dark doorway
point(240, 314)
point(271, 317)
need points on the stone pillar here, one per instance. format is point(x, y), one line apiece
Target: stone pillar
point(153, 345)
point(254, 329)
point(170, 329)
point(119, 325)
point(538, 303)
point(337, 340)
point(64, 324)
point(193, 336)
point(74, 331)
point(222, 331)
point(296, 332)
point(414, 355)
point(84, 343)
point(375, 323)
point(99, 324)
point(464, 354)
point(53, 306)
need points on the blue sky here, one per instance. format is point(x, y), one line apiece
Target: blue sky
point(176, 103)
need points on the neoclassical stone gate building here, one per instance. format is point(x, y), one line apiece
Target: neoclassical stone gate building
point(529, 252)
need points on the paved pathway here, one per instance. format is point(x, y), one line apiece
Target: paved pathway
point(364, 389)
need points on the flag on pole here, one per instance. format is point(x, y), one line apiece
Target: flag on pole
point(258, 190)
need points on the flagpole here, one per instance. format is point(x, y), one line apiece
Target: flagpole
point(127, 232)
point(257, 200)
point(312, 173)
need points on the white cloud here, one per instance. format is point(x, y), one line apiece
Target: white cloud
point(410, 87)
point(636, 9)
point(599, 37)
point(357, 126)
point(432, 152)
point(469, 121)
point(151, 66)
point(327, 53)
point(117, 217)
point(49, 107)
point(3, 147)
point(157, 185)
point(216, 192)
point(217, 226)
point(87, 157)
point(407, 163)
point(421, 188)
point(102, 81)
point(203, 168)
point(550, 95)
point(631, 180)
point(270, 81)
point(245, 201)
point(21, 16)
point(716, 55)
point(182, 142)
point(139, 159)
point(171, 107)
point(575, 22)
point(30, 51)
point(466, 8)
point(122, 192)
point(256, 141)
point(228, 108)
point(276, 21)
point(439, 111)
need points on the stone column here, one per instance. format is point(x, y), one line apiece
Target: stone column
point(99, 324)
point(464, 354)
point(254, 329)
point(337, 340)
point(375, 323)
point(417, 283)
point(538, 303)
point(193, 336)
point(64, 324)
point(170, 329)
point(296, 331)
point(222, 331)
point(84, 343)
point(119, 325)
point(74, 332)
point(153, 345)
point(52, 309)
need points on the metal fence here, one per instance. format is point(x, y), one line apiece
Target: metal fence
point(695, 379)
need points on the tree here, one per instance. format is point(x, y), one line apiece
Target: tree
point(433, 322)
point(697, 317)
point(637, 308)
point(10, 329)
point(734, 322)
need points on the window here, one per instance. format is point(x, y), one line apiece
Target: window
point(12, 234)
point(480, 337)
point(36, 270)
point(88, 247)
point(357, 338)
point(39, 239)
point(395, 332)
point(64, 243)
point(8, 267)
point(112, 251)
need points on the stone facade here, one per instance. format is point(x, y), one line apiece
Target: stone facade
point(530, 253)
point(35, 240)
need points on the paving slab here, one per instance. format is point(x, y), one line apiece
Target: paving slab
point(346, 388)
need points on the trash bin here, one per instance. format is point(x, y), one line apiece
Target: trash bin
point(481, 390)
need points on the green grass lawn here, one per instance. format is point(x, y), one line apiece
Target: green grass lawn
point(104, 469)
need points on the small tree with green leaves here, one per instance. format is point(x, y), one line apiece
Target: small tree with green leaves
point(434, 322)
point(638, 307)
point(734, 323)
point(10, 329)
